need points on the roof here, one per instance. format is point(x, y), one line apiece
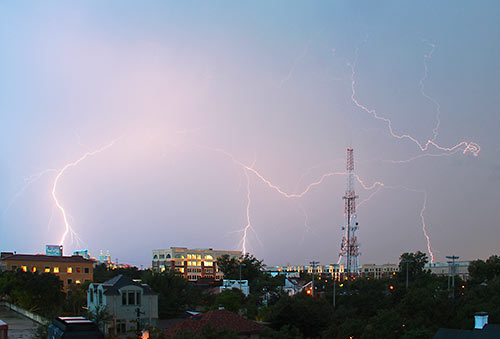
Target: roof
point(113, 285)
point(218, 319)
point(48, 258)
point(488, 332)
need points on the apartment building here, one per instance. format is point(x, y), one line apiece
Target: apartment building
point(379, 271)
point(70, 269)
point(193, 264)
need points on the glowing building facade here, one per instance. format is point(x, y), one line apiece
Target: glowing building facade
point(193, 264)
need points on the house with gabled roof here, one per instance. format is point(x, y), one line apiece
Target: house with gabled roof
point(128, 303)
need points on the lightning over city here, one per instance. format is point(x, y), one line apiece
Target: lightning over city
point(237, 120)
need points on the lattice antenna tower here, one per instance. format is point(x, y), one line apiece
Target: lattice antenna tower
point(350, 246)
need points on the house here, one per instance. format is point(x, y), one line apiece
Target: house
point(219, 320)
point(242, 285)
point(127, 302)
point(292, 286)
point(482, 330)
point(70, 269)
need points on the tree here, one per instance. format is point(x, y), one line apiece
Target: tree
point(232, 300)
point(481, 271)
point(415, 262)
point(100, 316)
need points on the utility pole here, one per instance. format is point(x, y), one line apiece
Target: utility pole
point(334, 280)
point(313, 263)
point(452, 273)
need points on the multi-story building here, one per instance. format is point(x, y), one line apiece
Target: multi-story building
point(70, 269)
point(129, 304)
point(445, 269)
point(379, 271)
point(325, 271)
point(193, 264)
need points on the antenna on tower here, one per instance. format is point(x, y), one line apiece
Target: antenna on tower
point(350, 247)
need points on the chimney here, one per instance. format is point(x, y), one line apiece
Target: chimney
point(481, 319)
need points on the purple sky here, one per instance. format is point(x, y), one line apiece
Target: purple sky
point(200, 106)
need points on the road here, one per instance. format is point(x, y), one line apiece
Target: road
point(19, 325)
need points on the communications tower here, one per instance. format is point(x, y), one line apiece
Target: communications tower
point(349, 251)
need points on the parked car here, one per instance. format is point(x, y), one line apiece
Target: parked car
point(74, 328)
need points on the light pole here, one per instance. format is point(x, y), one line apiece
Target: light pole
point(406, 261)
point(334, 280)
point(452, 272)
point(313, 263)
point(241, 264)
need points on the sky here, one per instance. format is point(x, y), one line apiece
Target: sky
point(224, 125)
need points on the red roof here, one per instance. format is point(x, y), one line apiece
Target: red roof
point(218, 319)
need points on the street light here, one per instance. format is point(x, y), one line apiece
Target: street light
point(407, 261)
point(241, 264)
point(313, 263)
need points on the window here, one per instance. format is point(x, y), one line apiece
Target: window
point(33, 269)
point(209, 263)
point(100, 296)
point(124, 298)
point(70, 269)
point(14, 267)
point(209, 257)
point(56, 269)
point(168, 256)
point(121, 326)
point(138, 298)
point(77, 282)
point(162, 256)
point(91, 295)
point(47, 269)
point(24, 268)
point(78, 269)
point(86, 270)
point(155, 257)
point(69, 281)
point(131, 298)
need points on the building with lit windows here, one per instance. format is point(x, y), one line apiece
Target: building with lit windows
point(193, 264)
point(325, 271)
point(127, 302)
point(70, 269)
point(379, 271)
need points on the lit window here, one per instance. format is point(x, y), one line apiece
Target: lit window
point(70, 269)
point(47, 269)
point(198, 257)
point(24, 268)
point(78, 269)
point(56, 269)
point(181, 269)
point(209, 257)
point(33, 269)
point(77, 281)
point(209, 263)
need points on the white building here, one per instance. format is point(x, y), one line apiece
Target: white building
point(126, 301)
point(242, 285)
point(445, 269)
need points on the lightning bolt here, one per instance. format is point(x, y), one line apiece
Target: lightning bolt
point(472, 147)
point(67, 226)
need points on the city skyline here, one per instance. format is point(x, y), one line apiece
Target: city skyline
point(131, 127)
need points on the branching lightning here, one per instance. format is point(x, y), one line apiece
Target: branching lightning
point(67, 226)
point(465, 146)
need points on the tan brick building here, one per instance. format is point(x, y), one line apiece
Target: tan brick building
point(70, 269)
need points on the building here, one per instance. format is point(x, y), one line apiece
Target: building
point(241, 285)
point(482, 330)
point(219, 320)
point(325, 271)
point(70, 269)
point(379, 271)
point(126, 301)
point(193, 264)
point(445, 269)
